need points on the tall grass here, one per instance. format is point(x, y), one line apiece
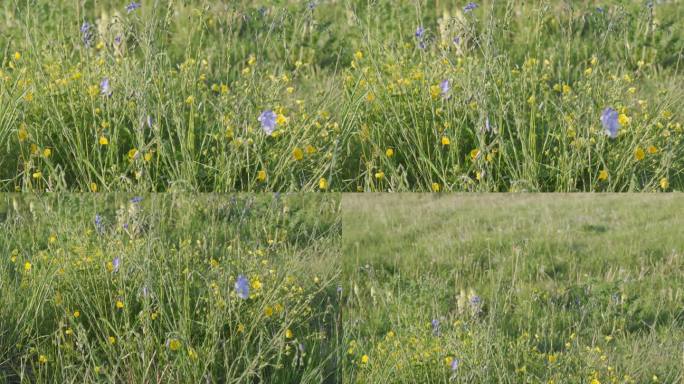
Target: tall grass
point(350, 81)
point(147, 291)
point(528, 82)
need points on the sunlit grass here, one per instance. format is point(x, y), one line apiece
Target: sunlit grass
point(516, 289)
point(111, 289)
point(355, 95)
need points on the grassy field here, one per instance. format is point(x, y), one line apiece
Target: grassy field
point(169, 289)
point(353, 95)
point(513, 288)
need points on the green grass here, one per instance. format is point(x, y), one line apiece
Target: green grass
point(350, 81)
point(573, 288)
point(169, 312)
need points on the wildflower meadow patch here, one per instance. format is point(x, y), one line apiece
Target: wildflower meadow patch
point(341, 96)
point(531, 288)
point(174, 178)
point(169, 288)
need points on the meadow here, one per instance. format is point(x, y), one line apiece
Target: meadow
point(513, 288)
point(351, 95)
point(169, 288)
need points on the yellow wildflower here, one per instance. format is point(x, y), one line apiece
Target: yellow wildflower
point(664, 183)
point(435, 91)
point(639, 154)
point(174, 344)
point(297, 153)
point(566, 89)
point(22, 133)
point(93, 90)
point(623, 119)
point(256, 284)
point(261, 175)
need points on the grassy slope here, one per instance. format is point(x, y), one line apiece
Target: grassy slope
point(601, 273)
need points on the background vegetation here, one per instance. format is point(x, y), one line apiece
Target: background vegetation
point(514, 288)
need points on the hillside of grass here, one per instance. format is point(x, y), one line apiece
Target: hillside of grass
point(513, 288)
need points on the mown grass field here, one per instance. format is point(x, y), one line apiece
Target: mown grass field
point(112, 288)
point(513, 288)
point(350, 95)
